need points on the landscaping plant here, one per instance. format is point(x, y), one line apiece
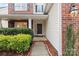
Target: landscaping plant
point(69, 41)
point(19, 43)
point(15, 31)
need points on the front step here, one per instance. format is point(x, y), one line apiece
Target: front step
point(39, 35)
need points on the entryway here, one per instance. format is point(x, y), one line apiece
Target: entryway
point(39, 28)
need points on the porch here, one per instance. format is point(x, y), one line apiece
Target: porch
point(35, 22)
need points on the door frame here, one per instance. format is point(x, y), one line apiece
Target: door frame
point(35, 22)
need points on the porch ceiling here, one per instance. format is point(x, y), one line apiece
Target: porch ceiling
point(23, 16)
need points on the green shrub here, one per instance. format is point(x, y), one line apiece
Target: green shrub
point(15, 31)
point(69, 42)
point(18, 43)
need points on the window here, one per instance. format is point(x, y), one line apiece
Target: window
point(21, 24)
point(20, 6)
point(39, 8)
point(3, 5)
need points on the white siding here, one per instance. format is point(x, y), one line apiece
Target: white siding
point(53, 29)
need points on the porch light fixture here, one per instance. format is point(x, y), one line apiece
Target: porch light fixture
point(73, 10)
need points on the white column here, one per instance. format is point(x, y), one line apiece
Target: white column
point(30, 24)
point(60, 29)
point(4, 23)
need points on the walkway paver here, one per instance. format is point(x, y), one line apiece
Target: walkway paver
point(39, 39)
point(39, 49)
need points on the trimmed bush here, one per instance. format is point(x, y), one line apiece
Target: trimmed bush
point(18, 43)
point(15, 31)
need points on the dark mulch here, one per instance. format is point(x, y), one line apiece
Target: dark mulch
point(13, 53)
point(52, 50)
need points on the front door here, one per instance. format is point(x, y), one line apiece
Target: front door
point(39, 28)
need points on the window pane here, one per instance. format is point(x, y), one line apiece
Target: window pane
point(3, 5)
point(20, 6)
point(39, 8)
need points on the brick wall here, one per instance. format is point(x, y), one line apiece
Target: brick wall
point(11, 9)
point(67, 19)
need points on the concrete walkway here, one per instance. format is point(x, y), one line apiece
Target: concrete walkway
point(39, 49)
point(39, 39)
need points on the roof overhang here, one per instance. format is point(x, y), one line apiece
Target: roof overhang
point(48, 7)
point(24, 16)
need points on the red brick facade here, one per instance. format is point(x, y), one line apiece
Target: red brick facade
point(67, 19)
point(11, 9)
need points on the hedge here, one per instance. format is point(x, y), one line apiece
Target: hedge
point(18, 43)
point(15, 31)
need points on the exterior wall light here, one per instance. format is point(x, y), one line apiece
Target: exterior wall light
point(73, 10)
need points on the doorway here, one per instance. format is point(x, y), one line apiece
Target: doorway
point(39, 28)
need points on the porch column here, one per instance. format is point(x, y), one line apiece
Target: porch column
point(4, 23)
point(30, 23)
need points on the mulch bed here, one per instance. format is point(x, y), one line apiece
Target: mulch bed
point(51, 50)
point(13, 53)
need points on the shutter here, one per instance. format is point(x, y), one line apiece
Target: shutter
point(36, 8)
